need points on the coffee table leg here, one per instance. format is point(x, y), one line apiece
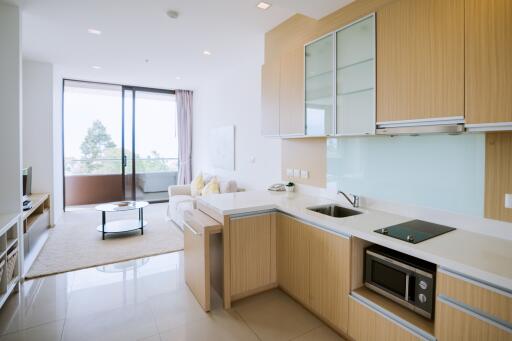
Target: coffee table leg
point(103, 218)
point(141, 217)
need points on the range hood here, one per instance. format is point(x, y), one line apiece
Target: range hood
point(421, 129)
point(446, 125)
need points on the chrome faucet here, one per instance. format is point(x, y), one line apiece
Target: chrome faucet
point(354, 202)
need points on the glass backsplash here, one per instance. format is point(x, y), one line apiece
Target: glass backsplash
point(436, 171)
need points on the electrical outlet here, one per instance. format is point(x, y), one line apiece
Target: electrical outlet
point(304, 174)
point(508, 200)
point(289, 172)
point(296, 173)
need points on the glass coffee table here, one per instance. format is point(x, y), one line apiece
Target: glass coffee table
point(126, 225)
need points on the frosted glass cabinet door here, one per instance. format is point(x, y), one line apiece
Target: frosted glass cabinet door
point(355, 78)
point(319, 82)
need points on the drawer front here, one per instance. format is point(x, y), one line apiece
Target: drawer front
point(455, 323)
point(366, 324)
point(480, 297)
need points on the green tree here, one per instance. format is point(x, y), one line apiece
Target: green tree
point(96, 144)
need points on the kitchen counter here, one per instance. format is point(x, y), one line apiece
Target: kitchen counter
point(482, 257)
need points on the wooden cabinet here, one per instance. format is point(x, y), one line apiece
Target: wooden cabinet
point(291, 93)
point(454, 323)
point(293, 250)
point(469, 310)
point(330, 277)
point(420, 60)
point(486, 300)
point(313, 267)
point(197, 254)
point(488, 61)
point(282, 95)
point(270, 98)
point(366, 324)
point(252, 254)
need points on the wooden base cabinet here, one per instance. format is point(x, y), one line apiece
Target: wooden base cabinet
point(313, 266)
point(293, 250)
point(252, 254)
point(366, 324)
point(453, 323)
point(330, 277)
point(470, 310)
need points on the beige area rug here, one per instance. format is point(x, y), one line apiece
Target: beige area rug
point(75, 244)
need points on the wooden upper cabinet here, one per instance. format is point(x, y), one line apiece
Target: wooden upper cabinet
point(488, 61)
point(291, 93)
point(420, 60)
point(330, 277)
point(270, 98)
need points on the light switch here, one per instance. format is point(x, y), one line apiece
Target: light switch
point(304, 174)
point(289, 172)
point(296, 173)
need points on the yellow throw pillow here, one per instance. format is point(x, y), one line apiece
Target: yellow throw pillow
point(197, 185)
point(211, 188)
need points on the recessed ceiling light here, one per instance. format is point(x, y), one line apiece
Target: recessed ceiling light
point(96, 67)
point(94, 31)
point(207, 53)
point(263, 5)
point(178, 77)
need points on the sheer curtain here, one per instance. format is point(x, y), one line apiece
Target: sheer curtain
point(184, 99)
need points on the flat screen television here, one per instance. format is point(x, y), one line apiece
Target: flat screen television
point(27, 181)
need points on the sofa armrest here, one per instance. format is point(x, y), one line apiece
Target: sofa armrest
point(179, 190)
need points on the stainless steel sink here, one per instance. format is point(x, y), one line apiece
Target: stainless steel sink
point(334, 210)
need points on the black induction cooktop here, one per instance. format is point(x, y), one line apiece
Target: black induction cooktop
point(415, 231)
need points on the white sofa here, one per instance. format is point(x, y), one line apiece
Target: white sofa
point(181, 199)
point(156, 181)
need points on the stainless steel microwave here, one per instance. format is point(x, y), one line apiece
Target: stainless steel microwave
point(404, 279)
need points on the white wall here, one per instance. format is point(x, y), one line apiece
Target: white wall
point(37, 124)
point(58, 181)
point(10, 109)
point(234, 99)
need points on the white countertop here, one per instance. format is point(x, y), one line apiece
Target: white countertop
point(476, 255)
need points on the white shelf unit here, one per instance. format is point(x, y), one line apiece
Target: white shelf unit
point(9, 241)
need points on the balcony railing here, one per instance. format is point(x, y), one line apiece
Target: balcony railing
point(104, 166)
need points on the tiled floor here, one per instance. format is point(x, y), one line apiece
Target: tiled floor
point(146, 299)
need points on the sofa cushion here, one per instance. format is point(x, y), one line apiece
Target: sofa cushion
point(212, 187)
point(228, 186)
point(197, 185)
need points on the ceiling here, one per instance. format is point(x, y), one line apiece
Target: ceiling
point(141, 45)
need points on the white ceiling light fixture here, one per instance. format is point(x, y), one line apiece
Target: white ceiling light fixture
point(172, 14)
point(263, 5)
point(178, 78)
point(207, 53)
point(96, 67)
point(94, 31)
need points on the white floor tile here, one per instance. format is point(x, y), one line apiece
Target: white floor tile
point(46, 332)
point(133, 322)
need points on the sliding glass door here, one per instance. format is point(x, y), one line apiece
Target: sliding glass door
point(151, 150)
point(119, 143)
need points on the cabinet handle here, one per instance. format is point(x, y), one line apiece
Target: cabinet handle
point(192, 229)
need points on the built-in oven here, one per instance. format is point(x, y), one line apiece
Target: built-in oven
point(404, 279)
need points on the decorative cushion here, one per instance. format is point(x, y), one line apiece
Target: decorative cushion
point(212, 187)
point(229, 186)
point(197, 185)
